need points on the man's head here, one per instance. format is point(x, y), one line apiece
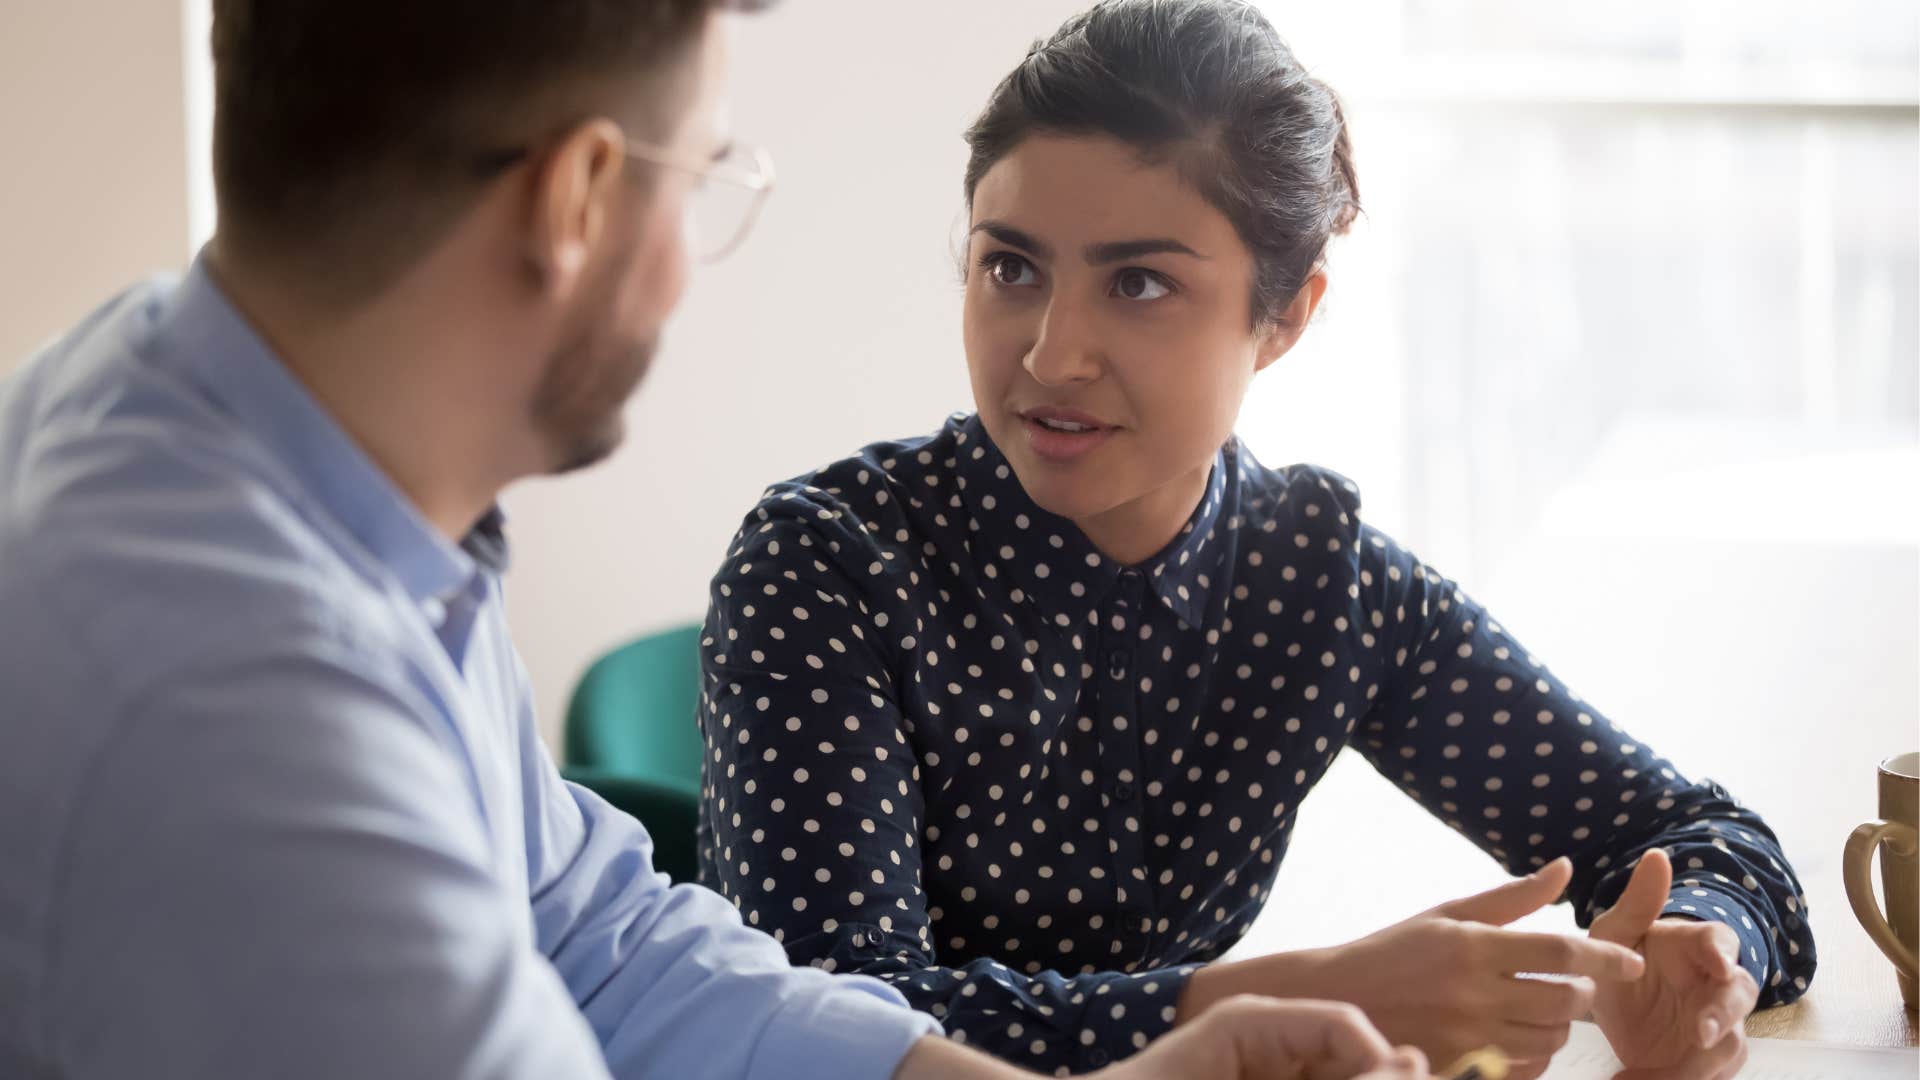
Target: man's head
point(475, 160)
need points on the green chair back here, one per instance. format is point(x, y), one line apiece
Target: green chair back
point(632, 738)
point(632, 713)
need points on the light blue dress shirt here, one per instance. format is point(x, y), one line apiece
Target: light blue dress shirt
point(272, 801)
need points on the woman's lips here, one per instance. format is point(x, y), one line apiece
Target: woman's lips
point(1064, 435)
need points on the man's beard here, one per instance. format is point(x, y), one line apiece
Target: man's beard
point(577, 408)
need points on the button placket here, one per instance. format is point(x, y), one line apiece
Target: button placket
point(1118, 725)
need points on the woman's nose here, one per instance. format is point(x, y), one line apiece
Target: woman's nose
point(1067, 350)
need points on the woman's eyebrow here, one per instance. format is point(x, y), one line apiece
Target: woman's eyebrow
point(1122, 250)
point(1110, 251)
point(1011, 237)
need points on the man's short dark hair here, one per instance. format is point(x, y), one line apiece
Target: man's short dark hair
point(346, 132)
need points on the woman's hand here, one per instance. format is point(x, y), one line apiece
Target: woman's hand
point(1260, 1038)
point(1683, 1019)
point(1449, 980)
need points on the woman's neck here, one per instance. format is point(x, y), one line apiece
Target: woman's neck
point(1139, 529)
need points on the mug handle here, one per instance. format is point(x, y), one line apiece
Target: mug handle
point(1857, 867)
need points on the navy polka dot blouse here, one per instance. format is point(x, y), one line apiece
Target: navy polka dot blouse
point(951, 745)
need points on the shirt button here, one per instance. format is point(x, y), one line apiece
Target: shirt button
point(1117, 664)
point(1123, 791)
point(1097, 1057)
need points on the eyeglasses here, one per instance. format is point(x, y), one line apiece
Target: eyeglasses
point(725, 200)
point(727, 196)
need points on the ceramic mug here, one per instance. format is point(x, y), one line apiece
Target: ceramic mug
point(1894, 836)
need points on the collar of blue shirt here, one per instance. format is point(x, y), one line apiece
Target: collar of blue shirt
point(202, 338)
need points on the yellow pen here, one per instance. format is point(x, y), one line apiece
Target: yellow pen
point(1487, 1063)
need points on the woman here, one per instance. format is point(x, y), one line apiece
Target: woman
point(1017, 715)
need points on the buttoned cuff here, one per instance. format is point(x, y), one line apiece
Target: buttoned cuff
point(1708, 903)
point(1122, 1016)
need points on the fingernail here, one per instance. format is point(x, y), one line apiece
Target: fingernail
point(1709, 1031)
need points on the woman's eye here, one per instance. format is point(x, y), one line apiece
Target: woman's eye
point(1009, 269)
point(1134, 283)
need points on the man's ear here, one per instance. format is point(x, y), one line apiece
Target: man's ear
point(575, 186)
point(1283, 333)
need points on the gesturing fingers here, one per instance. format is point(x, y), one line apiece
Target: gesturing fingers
point(1724, 1005)
point(1722, 1062)
point(1562, 954)
point(1636, 909)
point(1531, 1043)
point(1291, 1038)
point(1407, 1063)
point(1717, 949)
point(1544, 1001)
point(1504, 903)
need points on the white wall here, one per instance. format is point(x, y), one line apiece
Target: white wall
point(93, 172)
point(837, 324)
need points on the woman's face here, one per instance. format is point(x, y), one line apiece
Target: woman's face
point(1109, 334)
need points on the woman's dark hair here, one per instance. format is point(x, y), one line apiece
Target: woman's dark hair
point(1209, 86)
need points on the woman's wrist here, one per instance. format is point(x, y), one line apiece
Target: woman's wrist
point(1300, 974)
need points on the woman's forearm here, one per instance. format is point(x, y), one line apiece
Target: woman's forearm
point(1300, 974)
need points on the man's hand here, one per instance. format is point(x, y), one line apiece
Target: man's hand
point(1244, 1038)
point(1683, 1019)
point(1261, 1038)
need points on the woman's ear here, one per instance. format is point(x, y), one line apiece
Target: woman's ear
point(574, 188)
point(1284, 332)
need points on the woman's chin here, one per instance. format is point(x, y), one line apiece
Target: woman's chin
point(1065, 495)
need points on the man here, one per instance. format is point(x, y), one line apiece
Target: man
point(271, 798)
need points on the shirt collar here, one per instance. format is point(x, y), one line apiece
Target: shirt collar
point(1029, 546)
point(204, 338)
point(486, 544)
point(1183, 574)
